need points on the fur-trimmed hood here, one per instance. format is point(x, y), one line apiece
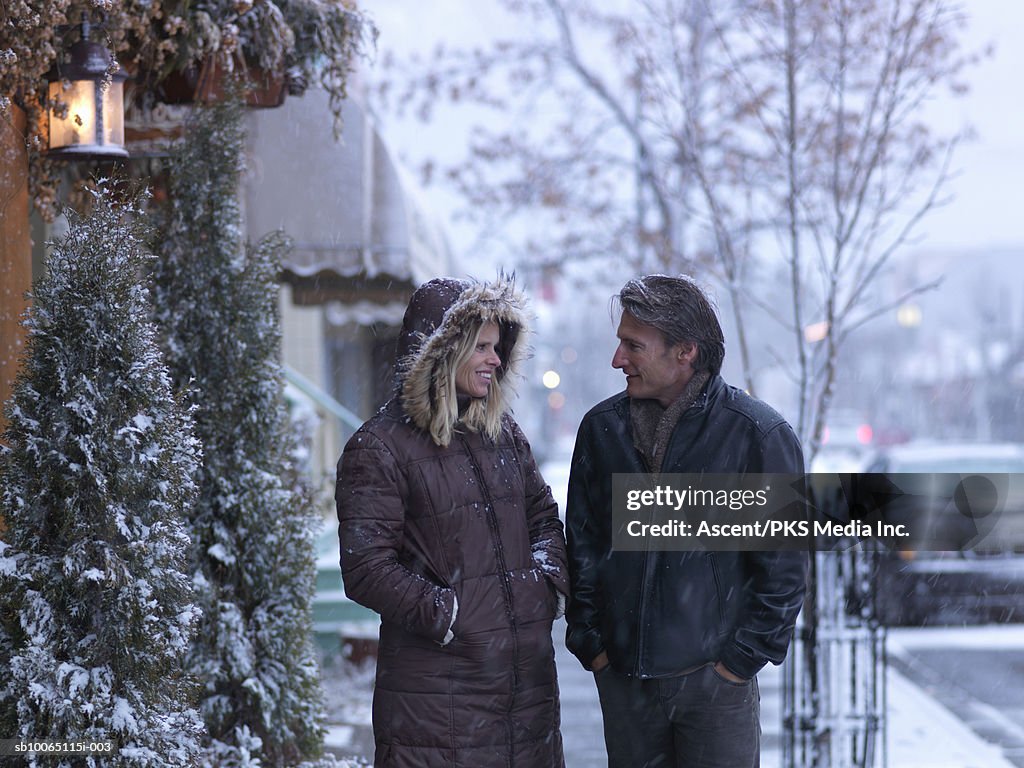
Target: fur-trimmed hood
point(440, 315)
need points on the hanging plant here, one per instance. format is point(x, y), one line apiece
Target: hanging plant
point(301, 41)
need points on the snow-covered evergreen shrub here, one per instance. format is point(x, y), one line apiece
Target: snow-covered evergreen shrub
point(253, 531)
point(96, 605)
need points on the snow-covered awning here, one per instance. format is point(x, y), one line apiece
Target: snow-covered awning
point(360, 236)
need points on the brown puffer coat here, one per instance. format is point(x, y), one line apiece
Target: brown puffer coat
point(422, 524)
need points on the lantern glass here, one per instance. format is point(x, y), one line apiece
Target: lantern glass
point(94, 123)
point(113, 113)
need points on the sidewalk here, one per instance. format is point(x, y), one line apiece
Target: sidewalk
point(921, 733)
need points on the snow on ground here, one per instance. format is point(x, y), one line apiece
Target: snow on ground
point(944, 738)
point(924, 734)
point(348, 691)
point(339, 736)
point(921, 732)
point(985, 637)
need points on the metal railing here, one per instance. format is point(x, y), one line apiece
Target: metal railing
point(322, 398)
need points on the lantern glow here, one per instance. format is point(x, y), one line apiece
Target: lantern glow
point(86, 99)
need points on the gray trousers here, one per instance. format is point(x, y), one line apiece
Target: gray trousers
point(698, 720)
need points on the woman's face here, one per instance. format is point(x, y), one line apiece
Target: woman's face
point(474, 376)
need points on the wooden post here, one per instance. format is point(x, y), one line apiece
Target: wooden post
point(15, 249)
point(15, 244)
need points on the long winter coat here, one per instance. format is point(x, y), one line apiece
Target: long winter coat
point(422, 524)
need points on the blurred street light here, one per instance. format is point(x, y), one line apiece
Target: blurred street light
point(815, 332)
point(909, 315)
point(551, 379)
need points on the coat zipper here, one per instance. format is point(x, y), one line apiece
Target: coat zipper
point(648, 556)
point(719, 597)
point(643, 582)
point(499, 551)
point(640, 615)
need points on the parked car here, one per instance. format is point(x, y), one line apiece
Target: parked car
point(846, 429)
point(846, 440)
point(969, 500)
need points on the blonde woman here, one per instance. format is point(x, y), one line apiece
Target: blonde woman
point(449, 532)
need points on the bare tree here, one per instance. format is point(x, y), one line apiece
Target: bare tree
point(859, 165)
point(778, 145)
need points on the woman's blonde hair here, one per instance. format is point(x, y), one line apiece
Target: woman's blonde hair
point(483, 414)
point(427, 372)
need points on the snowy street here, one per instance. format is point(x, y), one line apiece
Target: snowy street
point(976, 673)
point(956, 700)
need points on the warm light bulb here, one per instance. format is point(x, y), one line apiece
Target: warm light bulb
point(79, 126)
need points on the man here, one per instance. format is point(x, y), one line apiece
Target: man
point(675, 639)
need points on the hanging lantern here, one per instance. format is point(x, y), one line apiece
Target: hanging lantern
point(93, 125)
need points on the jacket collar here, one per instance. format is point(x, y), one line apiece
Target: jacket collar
point(715, 386)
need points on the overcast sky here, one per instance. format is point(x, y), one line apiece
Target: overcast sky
point(986, 212)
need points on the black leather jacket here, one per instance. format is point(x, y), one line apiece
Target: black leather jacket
point(658, 614)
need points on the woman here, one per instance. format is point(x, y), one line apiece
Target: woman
point(448, 532)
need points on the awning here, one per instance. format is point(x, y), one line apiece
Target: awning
point(360, 237)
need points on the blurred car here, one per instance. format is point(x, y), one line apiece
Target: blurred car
point(968, 498)
point(845, 441)
point(830, 460)
point(846, 430)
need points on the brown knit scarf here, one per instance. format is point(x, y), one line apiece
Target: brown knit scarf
point(653, 425)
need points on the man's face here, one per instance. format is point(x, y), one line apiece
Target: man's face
point(654, 370)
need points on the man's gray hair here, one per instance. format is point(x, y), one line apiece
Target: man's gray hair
point(683, 313)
